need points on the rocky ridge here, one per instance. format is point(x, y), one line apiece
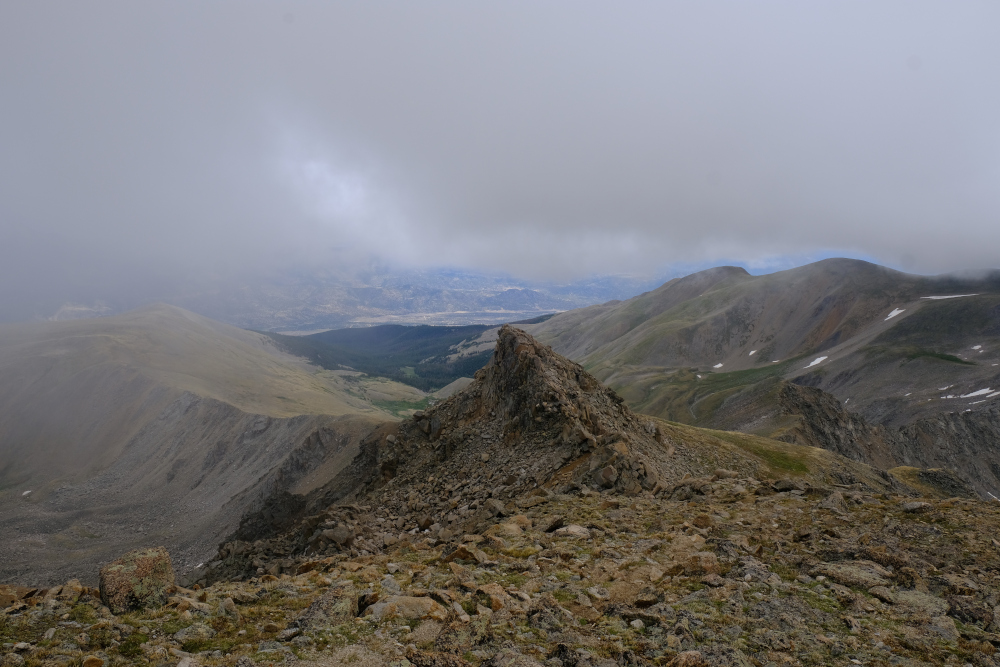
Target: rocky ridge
point(532, 520)
point(531, 424)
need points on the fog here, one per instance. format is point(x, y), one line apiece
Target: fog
point(151, 148)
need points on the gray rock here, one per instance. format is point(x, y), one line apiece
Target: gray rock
point(197, 632)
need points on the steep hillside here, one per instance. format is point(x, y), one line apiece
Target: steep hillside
point(155, 422)
point(715, 349)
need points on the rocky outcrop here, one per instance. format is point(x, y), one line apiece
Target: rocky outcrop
point(964, 442)
point(533, 425)
point(824, 423)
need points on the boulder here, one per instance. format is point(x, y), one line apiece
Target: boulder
point(340, 535)
point(856, 574)
point(574, 531)
point(410, 608)
point(339, 604)
point(607, 476)
point(702, 562)
point(139, 579)
point(199, 632)
point(467, 553)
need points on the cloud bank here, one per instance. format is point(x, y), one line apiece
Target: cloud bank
point(163, 147)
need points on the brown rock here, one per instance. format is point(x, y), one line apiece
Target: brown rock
point(550, 524)
point(647, 597)
point(137, 580)
point(70, 591)
point(702, 562)
point(466, 552)
point(498, 597)
point(92, 661)
point(607, 476)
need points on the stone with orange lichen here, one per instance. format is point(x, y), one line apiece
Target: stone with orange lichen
point(139, 579)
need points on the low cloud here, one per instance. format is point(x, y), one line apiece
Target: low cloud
point(154, 149)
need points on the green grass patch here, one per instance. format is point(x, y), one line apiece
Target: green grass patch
point(774, 457)
point(399, 407)
point(563, 595)
point(930, 354)
point(130, 646)
point(83, 613)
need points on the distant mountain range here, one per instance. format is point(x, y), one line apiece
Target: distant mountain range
point(332, 300)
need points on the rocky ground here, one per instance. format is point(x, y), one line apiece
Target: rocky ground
point(739, 574)
point(533, 519)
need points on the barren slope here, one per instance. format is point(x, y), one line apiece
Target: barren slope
point(157, 422)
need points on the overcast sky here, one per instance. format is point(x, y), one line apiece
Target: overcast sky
point(145, 142)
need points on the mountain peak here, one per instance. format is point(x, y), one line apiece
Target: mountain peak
point(529, 396)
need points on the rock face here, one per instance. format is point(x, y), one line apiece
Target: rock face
point(137, 580)
point(952, 441)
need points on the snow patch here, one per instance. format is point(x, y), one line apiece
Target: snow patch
point(943, 388)
point(817, 360)
point(907, 394)
point(895, 311)
point(698, 376)
point(977, 347)
point(717, 366)
point(752, 352)
point(950, 296)
point(977, 393)
point(996, 393)
point(26, 492)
